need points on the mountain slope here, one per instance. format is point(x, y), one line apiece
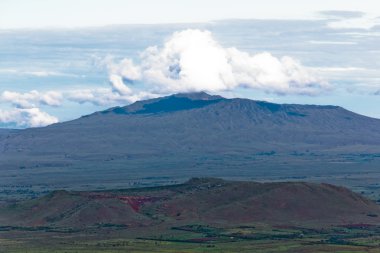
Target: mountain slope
point(198, 121)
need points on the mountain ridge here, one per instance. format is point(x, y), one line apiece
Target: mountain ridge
point(202, 96)
point(202, 114)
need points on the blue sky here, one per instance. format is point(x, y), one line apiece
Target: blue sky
point(60, 60)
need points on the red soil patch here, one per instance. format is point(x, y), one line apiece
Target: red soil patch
point(39, 222)
point(135, 202)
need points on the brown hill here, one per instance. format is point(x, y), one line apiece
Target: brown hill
point(210, 201)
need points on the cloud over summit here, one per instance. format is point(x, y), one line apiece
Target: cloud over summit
point(192, 60)
point(188, 61)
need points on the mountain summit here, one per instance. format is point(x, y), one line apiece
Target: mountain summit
point(177, 102)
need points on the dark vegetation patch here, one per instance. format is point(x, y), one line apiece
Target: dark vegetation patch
point(269, 106)
point(296, 114)
point(170, 104)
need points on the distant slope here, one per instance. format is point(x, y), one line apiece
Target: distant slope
point(4, 134)
point(5, 131)
point(207, 201)
point(183, 134)
point(198, 123)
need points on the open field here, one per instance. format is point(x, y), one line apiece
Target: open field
point(360, 173)
point(195, 238)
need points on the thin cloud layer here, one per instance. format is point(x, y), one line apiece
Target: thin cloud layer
point(192, 60)
point(342, 14)
point(105, 96)
point(350, 20)
point(31, 99)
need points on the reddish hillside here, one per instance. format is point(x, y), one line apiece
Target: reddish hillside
point(199, 200)
point(242, 202)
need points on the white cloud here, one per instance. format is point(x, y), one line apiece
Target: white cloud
point(43, 73)
point(118, 85)
point(125, 68)
point(192, 60)
point(105, 96)
point(37, 73)
point(26, 113)
point(32, 98)
point(30, 117)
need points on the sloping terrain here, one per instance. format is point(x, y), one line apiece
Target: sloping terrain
point(206, 201)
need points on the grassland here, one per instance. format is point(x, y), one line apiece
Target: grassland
point(197, 238)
